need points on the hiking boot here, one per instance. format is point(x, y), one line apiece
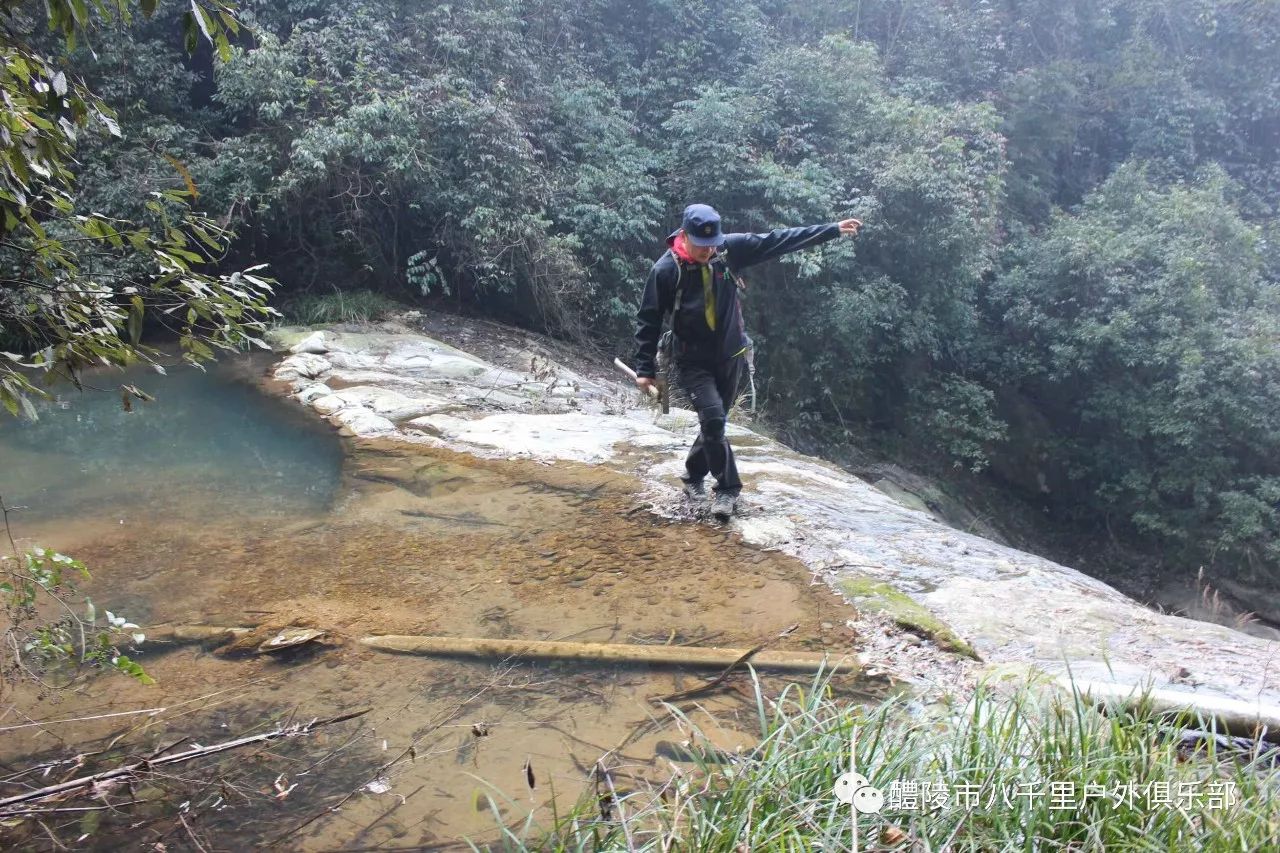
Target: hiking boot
point(724, 505)
point(695, 490)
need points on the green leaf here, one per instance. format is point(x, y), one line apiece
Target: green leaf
point(135, 391)
point(229, 21)
point(224, 46)
point(206, 238)
point(90, 822)
point(203, 19)
point(186, 255)
point(136, 311)
point(190, 36)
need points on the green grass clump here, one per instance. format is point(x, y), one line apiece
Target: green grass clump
point(1026, 771)
point(357, 306)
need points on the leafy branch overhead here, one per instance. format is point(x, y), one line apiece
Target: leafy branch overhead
point(78, 287)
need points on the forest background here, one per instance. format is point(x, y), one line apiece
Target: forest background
point(1067, 284)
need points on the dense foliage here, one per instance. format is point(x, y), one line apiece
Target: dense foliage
point(77, 284)
point(1068, 272)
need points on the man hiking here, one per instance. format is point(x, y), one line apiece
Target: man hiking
point(696, 281)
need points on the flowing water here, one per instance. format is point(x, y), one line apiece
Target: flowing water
point(220, 505)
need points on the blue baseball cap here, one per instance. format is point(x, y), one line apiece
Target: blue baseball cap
point(701, 225)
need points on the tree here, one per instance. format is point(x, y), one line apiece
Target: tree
point(530, 156)
point(77, 286)
point(1144, 331)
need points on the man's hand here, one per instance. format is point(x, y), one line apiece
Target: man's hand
point(849, 227)
point(644, 383)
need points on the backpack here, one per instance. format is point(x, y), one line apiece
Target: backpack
point(666, 362)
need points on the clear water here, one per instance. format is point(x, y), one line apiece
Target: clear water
point(211, 441)
point(220, 505)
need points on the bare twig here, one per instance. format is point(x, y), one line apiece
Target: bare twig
point(52, 837)
point(191, 834)
point(713, 683)
point(83, 719)
point(76, 809)
point(6, 509)
point(719, 679)
point(194, 752)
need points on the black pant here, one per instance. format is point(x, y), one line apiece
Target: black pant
point(712, 386)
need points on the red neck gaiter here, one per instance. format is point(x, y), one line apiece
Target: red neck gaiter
point(681, 251)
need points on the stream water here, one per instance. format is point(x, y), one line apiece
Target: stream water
point(221, 505)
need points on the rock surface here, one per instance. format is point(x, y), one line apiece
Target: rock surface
point(1014, 610)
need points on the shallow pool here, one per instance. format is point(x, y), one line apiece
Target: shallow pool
point(211, 441)
point(219, 505)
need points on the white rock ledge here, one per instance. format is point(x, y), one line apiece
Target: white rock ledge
point(1012, 607)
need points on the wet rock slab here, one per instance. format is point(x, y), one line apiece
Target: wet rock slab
point(1009, 607)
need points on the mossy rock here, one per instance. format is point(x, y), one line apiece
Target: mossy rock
point(873, 595)
point(281, 338)
point(907, 498)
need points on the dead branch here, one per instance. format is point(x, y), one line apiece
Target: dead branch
point(719, 679)
point(710, 685)
point(147, 764)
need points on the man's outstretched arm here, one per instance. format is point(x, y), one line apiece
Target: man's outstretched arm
point(745, 250)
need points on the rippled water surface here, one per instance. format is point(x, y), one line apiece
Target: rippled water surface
point(238, 510)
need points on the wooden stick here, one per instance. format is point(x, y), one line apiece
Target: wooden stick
point(193, 633)
point(194, 752)
point(699, 656)
point(618, 363)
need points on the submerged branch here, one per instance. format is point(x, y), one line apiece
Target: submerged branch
point(148, 764)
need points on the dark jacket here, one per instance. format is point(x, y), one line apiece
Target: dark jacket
point(695, 340)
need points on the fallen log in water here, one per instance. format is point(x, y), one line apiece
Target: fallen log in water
point(698, 656)
point(194, 633)
point(1237, 717)
point(240, 641)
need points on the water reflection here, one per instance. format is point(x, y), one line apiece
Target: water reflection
point(210, 437)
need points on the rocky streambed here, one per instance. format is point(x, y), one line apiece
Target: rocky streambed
point(929, 604)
